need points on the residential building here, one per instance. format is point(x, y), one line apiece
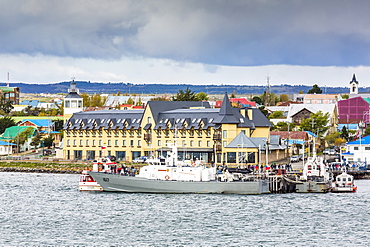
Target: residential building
point(358, 150)
point(10, 94)
point(354, 110)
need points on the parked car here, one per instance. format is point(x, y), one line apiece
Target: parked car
point(294, 158)
point(141, 159)
point(329, 151)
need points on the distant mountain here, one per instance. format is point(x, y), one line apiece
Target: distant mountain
point(92, 87)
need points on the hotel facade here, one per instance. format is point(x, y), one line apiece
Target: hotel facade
point(223, 136)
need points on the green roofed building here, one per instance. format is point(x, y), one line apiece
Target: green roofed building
point(11, 133)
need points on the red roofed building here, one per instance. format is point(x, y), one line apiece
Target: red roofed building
point(237, 102)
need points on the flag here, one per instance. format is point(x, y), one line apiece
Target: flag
point(103, 147)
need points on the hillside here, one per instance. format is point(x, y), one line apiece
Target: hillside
point(90, 87)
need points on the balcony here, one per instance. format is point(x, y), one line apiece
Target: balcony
point(218, 147)
point(217, 137)
point(147, 137)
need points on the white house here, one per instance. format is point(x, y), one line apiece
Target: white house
point(358, 151)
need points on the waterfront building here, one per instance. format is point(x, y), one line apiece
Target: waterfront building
point(225, 135)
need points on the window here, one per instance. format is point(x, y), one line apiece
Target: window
point(149, 120)
point(116, 143)
point(159, 143)
point(355, 148)
point(224, 144)
point(68, 142)
point(183, 143)
point(109, 143)
point(199, 143)
point(139, 143)
point(74, 142)
point(87, 142)
point(94, 143)
point(100, 143)
point(208, 143)
point(224, 134)
point(79, 103)
point(124, 143)
point(367, 148)
point(191, 143)
point(131, 143)
point(68, 104)
point(80, 142)
point(231, 157)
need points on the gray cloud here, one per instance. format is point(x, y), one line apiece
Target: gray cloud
point(219, 32)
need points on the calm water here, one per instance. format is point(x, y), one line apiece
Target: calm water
point(47, 209)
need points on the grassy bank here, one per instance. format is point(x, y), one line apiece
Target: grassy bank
point(49, 167)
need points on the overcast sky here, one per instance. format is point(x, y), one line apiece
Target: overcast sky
point(184, 41)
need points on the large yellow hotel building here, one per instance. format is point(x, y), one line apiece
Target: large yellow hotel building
point(225, 135)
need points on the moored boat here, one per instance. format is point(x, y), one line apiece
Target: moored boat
point(87, 183)
point(173, 176)
point(344, 183)
point(315, 177)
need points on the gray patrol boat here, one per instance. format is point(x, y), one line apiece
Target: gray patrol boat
point(168, 175)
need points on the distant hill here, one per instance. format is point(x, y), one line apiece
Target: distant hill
point(91, 87)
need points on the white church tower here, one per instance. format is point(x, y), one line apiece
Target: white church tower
point(73, 102)
point(353, 85)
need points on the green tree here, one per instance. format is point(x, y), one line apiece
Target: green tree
point(58, 124)
point(315, 90)
point(129, 101)
point(258, 100)
point(186, 95)
point(283, 98)
point(263, 110)
point(201, 96)
point(160, 98)
point(345, 96)
point(36, 140)
point(276, 114)
point(5, 105)
point(86, 99)
point(48, 141)
point(6, 122)
point(330, 138)
point(345, 134)
point(284, 126)
point(317, 123)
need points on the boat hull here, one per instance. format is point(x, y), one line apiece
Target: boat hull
point(128, 184)
point(89, 186)
point(312, 187)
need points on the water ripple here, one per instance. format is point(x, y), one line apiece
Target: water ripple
point(47, 209)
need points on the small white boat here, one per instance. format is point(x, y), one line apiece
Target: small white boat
point(344, 183)
point(87, 183)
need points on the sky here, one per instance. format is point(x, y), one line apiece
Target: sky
point(240, 42)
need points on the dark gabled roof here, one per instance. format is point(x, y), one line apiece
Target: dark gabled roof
point(193, 118)
point(259, 119)
point(157, 107)
point(99, 119)
point(226, 113)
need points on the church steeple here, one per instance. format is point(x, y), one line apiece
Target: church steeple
point(353, 85)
